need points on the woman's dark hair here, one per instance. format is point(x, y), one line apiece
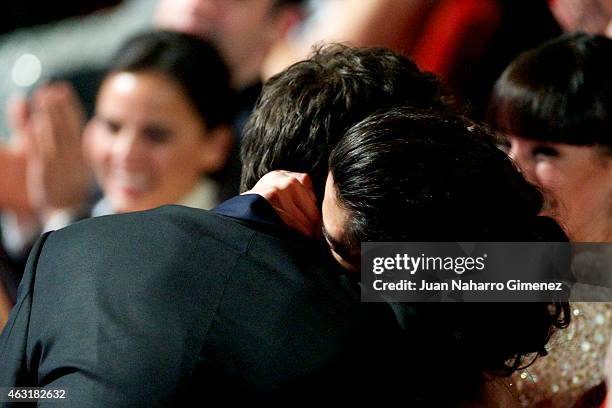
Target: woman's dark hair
point(192, 63)
point(560, 91)
point(440, 174)
point(405, 175)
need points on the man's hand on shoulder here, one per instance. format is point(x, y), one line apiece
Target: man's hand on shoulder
point(292, 197)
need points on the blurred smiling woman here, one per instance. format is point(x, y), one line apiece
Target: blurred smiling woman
point(161, 124)
point(161, 127)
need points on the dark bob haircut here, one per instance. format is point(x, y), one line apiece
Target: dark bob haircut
point(190, 62)
point(560, 91)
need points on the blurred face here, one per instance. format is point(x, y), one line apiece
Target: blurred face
point(334, 224)
point(577, 182)
point(243, 30)
point(146, 143)
point(591, 16)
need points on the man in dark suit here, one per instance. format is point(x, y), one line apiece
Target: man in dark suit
point(157, 307)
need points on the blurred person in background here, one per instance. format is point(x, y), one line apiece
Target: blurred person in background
point(395, 24)
point(243, 30)
point(162, 125)
point(553, 108)
point(467, 43)
point(591, 16)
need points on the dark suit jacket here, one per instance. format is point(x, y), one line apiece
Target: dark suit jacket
point(153, 308)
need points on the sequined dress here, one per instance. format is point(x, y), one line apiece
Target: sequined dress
point(575, 363)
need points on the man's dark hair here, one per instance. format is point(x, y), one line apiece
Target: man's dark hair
point(191, 62)
point(560, 91)
point(303, 111)
point(416, 176)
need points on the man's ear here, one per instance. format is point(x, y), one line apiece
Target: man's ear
point(216, 148)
